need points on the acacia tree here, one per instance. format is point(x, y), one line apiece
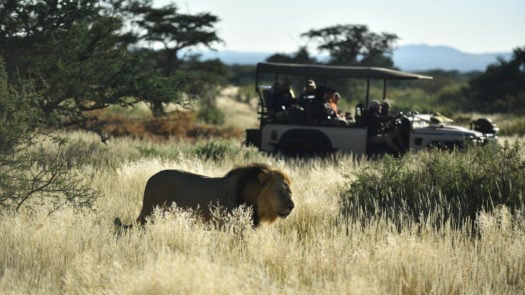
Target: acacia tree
point(354, 45)
point(175, 32)
point(301, 56)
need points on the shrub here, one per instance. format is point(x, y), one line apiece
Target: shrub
point(28, 171)
point(446, 187)
point(216, 150)
point(211, 115)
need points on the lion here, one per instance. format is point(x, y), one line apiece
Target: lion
point(263, 188)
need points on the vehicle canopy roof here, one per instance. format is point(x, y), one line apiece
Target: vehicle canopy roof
point(310, 70)
point(337, 71)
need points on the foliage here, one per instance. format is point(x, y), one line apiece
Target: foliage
point(501, 88)
point(175, 31)
point(354, 45)
point(74, 50)
point(216, 150)
point(210, 114)
point(450, 187)
point(28, 173)
point(207, 77)
point(39, 178)
point(84, 54)
point(18, 113)
point(302, 56)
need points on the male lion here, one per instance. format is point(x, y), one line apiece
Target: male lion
point(263, 188)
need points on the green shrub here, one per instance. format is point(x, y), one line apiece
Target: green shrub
point(447, 187)
point(29, 172)
point(216, 150)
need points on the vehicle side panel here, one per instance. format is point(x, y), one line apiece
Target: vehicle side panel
point(343, 139)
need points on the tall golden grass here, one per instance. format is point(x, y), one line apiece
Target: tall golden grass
point(313, 251)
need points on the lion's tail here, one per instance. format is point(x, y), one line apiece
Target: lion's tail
point(119, 223)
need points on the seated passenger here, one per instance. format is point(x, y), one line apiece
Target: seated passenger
point(278, 98)
point(312, 103)
point(385, 110)
point(287, 89)
point(308, 93)
point(376, 133)
point(332, 98)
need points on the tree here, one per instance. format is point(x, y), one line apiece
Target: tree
point(176, 31)
point(501, 88)
point(31, 174)
point(84, 52)
point(354, 45)
point(302, 56)
point(75, 49)
point(206, 79)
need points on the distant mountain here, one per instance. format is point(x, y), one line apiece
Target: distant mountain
point(236, 57)
point(425, 57)
point(407, 58)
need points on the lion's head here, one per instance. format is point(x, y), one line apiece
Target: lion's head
point(267, 189)
point(274, 198)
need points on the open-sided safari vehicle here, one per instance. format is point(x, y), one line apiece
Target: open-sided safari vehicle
point(292, 129)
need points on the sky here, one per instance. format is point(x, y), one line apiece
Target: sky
point(472, 26)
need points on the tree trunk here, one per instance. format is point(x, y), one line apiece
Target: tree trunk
point(157, 108)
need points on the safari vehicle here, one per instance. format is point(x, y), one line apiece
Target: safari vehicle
point(290, 132)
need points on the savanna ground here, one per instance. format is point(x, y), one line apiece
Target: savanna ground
point(319, 249)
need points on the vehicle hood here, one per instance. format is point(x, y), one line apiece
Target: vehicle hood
point(450, 130)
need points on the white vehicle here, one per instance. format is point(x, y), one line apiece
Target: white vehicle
point(290, 132)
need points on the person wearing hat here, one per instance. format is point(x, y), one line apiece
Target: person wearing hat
point(311, 102)
point(309, 91)
point(376, 133)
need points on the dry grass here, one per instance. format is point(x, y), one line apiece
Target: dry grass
point(311, 252)
point(138, 122)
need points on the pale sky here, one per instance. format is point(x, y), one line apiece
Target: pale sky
point(473, 26)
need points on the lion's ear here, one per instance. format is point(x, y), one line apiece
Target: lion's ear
point(263, 178)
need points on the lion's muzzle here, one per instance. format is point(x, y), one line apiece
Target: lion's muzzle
point(285, 212)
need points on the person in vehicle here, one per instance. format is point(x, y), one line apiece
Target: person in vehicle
point(279, 97)
point(332, 98)
point(287, 89)
point(308, 94)
point(385, 109)
point(389, 125)
point(376, 131)
point(312, 102)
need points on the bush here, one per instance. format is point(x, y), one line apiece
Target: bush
point(28, 170)
point(447, 187)
point(211, 114)
point(216, 150)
